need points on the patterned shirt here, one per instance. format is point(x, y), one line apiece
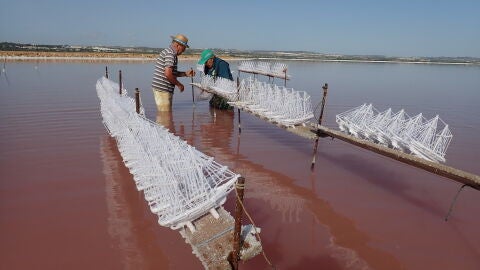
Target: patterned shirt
point(167, 58)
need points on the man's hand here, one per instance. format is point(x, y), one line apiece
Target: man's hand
point(190, 73)
point(180, 86)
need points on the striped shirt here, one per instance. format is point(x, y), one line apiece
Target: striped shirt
point(167, 58)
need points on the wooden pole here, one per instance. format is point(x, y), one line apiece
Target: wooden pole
point(106, 72)
point(120, 82)
point(324, 99)
point(240, 188)
point(137, 100)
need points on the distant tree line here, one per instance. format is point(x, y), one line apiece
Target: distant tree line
point(254, 54)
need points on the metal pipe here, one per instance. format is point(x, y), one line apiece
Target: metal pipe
point(240, 188)
point(137, 100)
point(324, 99)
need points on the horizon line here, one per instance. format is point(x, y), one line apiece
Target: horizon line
point(247, 50)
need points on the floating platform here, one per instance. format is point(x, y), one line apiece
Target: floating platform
point(212, 240)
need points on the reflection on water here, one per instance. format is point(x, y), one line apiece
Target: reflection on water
point(120, 227)
point(166, 119)
point(4, 74)
point(133, 231)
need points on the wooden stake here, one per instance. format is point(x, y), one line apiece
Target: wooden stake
point(325, 91)
point(193, 96)
point(235, 256)
point(137, 100)
point(120, 82)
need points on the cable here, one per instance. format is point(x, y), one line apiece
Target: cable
point(242, 186)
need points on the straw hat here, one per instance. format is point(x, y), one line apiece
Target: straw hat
point(181, 39)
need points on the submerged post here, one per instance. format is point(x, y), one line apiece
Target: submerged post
point(106, 72)
point(320, 118)
point(193, 96)
point(235, 256)
point(285, 71)
point(137, 100)
point(238, 109)
point(120, 82)
point(239, 122)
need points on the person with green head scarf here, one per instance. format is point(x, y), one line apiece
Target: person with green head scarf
point(216, 67)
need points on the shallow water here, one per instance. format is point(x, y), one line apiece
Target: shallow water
point(67, 201)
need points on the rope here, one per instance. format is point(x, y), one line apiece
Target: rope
point(315, 111)
point(242, 186)
point(454, 201)
point(239, 186)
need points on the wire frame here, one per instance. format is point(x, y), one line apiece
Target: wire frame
point(273, 69)
point(179, 182)
point(415, 135)
point(277, 103)
point(221, 86)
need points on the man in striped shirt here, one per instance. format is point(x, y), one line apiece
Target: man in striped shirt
point(166, 74)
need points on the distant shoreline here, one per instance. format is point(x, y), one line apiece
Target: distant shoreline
point(14, 56)
point(91, 56)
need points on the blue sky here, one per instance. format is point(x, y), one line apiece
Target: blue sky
point(373, 27)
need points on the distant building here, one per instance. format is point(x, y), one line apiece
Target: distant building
point(104, 49)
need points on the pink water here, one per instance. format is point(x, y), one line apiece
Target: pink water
point(68, 202)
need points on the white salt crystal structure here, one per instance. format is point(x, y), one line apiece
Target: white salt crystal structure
point(179, 183)
point(274, 69)
point(277, 103)
point(428, 139)
point(225, 87)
